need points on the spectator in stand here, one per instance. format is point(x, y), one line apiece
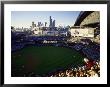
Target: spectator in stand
point(88, 63)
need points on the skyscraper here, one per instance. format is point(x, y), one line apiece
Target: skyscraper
point(45, 24)
point(40, 24)
point(50, 22)
point(33, 25)
point(53, 24)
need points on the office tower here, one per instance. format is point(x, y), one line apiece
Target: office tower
point(42, 24)
point(50, 22)
point(53, 24)
point(45, 24)
point(39, 24)
point(33, 25)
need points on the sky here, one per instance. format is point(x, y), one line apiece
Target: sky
point(25, 18)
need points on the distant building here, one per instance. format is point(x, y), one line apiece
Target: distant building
point(33, 25)
point(37, 31)
point(52, 23)
point(45, 24)
point(50, 33)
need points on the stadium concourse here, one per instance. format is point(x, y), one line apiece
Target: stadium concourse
point(91, 67)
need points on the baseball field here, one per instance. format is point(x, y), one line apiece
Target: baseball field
point(45, 59)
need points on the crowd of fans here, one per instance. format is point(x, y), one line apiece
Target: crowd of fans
point(92, 50)
point(90, 69)
point(91, 53)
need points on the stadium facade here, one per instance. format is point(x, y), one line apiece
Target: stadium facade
point(87, 25)
point(88, 18)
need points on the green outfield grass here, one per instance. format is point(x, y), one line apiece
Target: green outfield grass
point(45, 59)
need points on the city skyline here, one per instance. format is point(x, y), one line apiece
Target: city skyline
point(25, 18)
